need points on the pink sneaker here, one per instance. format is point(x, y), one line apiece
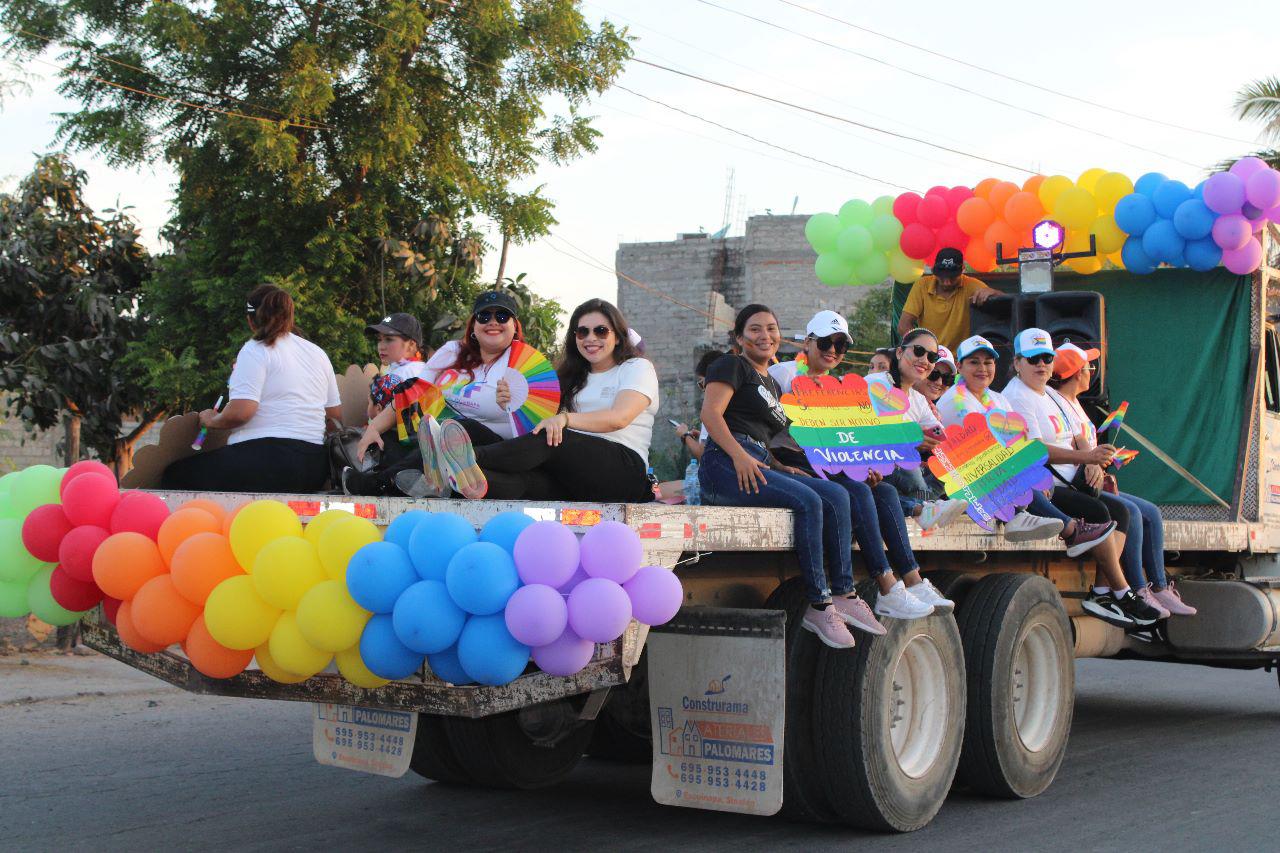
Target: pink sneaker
point(1150, 598)
point(829, 626)
point(856, 612)
point(1171, 601)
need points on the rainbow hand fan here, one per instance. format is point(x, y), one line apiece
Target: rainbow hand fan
point(535, 387)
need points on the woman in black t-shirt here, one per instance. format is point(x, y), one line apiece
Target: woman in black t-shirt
point(741, 413)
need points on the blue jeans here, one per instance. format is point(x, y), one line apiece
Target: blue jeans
point(879, 523)
point(1144, 542)
point(820, 512)
point(1041, 506)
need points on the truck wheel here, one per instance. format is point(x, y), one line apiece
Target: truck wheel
point(622, 732)
point(889, 715)
point(953, 585)
point(802, 794)
point(433, 755)
point(530, 748)
point(1018, 653)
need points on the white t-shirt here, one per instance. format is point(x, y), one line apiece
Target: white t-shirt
point(951, 415)
point(292, 381)
point(785, 373)
point(471, 394)
point(598, 395)
point(919, 410)
point(1080, 423)
point(1045, 420)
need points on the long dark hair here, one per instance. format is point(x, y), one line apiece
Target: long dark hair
point(895, 372)
point(573, 369)
point(469, 357)
point(740, 322)
point(270, 310)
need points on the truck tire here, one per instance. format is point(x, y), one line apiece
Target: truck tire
point(530, 748)
point(889, 716)
point(433, 756)
point(953, 585)
point(622, 732)
point(802, 796)
point(1018, 654)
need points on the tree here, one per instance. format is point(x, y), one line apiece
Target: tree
point(339, 149)
point(870, 323)
point(1260, 101)
point(69, 284)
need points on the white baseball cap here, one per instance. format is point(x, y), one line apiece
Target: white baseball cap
point(944, 355)
point(975, 343)
point(827, 323)
point(1032, 342)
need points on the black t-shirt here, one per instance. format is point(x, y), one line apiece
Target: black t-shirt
point(753, 409)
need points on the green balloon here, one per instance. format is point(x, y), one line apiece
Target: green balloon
point(821, 231)
point(13, 599)
point(6, 505)
point(856, 212)
point(40, 600)
point(16, 564)
point(883, 206)
point(873, 269)
point(832, 269)
point(854, 243)
point(885, 231)
point(38, 485)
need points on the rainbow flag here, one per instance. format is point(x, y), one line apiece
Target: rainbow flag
point(1115, 419)
point(411, 400)
point(1122, 458)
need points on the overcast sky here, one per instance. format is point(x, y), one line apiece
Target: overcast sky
point(659, 172)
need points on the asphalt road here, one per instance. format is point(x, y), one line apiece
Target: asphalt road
point(96, 756)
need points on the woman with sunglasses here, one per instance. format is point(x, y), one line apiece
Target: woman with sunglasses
point(1110, 599)
point(938, 380)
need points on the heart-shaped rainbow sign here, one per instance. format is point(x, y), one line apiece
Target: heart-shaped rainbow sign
point(1007, 427)
point(887, 400)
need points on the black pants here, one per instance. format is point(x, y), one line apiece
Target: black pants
point(1093, 510)
point(583, 467)
point(258, 465)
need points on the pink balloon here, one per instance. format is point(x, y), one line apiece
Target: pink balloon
point(75, 595)
point(85, 466)
point(90, 499)
point(1263, 189)
point(43, 530)
point(917, 241)
point(139, 512)
point(656, 595)
point(904, 208)
point(1246, 167)
point(599, 610)
point(566, 655)
point(1274, 214)
point(951, 236)
point(957, 196)
point(75, 552)
point(937, 190)
point(1244, 260)
point(610, 550)
point(1231, 232)
point(932, 211)
point(536, 615)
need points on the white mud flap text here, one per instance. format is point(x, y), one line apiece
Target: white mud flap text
point(370, 740)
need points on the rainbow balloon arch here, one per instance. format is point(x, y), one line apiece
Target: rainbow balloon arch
point(1136, 225)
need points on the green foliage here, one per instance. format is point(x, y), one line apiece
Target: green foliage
point(1259, 101)
point(337, 149)
point(69, 282)
point(871, 321)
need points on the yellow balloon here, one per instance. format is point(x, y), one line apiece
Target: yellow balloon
point(236, 615)
point(352, 667)
point(340, 540)
point(1075, 208)
point(1110, 237)
point(1051, 188)
point(1116, 259)
point(329, 617)
point(1088, 179)
point(318, 524)
point(1110, 188)
point(1079, 242)
point(285, 569)
point(256, 525)
point(291, 650)
point(273, 670)
point(904, 269)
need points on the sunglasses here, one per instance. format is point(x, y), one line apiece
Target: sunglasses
point(1041, 358)
point(946, 377)
point(924, 352)
point(601, 332)
point(839, 344)
point(500, 316)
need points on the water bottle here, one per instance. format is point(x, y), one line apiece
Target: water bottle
point(692, 490)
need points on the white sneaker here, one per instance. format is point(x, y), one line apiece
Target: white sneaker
point(898, 603)
point(927, 593)
point(940, 513)
point(1025, 527)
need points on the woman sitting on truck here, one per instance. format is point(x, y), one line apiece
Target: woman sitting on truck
point(1143, 554)
point(281, 390)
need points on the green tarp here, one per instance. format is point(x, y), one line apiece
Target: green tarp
point(1178, 351)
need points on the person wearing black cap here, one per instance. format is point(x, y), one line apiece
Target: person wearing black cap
point(399, 338)
point(940, 302)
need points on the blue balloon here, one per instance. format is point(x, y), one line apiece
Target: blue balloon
point(1193, 219)
point(377, 574)
point(1202, 255)
point(481, 577)
point(1198, 192)
point(503, 529)
point(434, 541)
point(445, 666)
point(383, 652)
point(1135, 259)
point(488, 653)
point(426, 620)
point(1135, 213)
point(1168, 196)
point(1148, 183)
point(401, 527)
point(1161, 241)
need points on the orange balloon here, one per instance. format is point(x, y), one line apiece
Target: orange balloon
point(1032, 184)
point(201, 563)
point(974, 216)
point(124, 562)
point(1023, 210)
point(984, 187)
point(129, 634)
point(1003, 233)
point(181, 526)
point(160, 613)
point(977, 256)
point(1000, 195)
point(214, 509)
point(211, 658)
point(230, 517)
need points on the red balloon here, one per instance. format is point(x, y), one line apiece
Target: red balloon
point(75, 553)
point(42, 532)
point(904, 208)
point(139, 512)
point(951, 235)
point(917, 241)
point(71, 593)
point(932, 211)
point(957, 196)
point(90, 499)
point(109, 608)
point(84, 466)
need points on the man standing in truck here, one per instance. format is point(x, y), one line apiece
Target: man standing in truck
point(940, 302)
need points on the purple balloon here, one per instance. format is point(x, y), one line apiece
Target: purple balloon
point(599, 610)
point(1224, 193)
point(1241, 261)
point(1246, 167)
point(1263, 189)
point(656, 595)
point(536, 615)
point(1231, 232)
point(578, 577)
point(611, 550)
point(546, 552)
point(566, 655)
point(1274, 214)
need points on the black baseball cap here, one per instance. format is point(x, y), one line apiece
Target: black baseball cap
point(404, 325)
point(949, 263)
point(496, 299)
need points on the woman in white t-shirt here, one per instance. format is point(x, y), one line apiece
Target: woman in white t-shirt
point(596, 448)
point(281, 391)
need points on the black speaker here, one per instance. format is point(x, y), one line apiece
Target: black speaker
point(1078, 316)
point(999, 320)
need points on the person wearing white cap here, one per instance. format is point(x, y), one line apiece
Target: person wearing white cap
point(826, 340)
point(1111, 599)
point(1142, 556)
